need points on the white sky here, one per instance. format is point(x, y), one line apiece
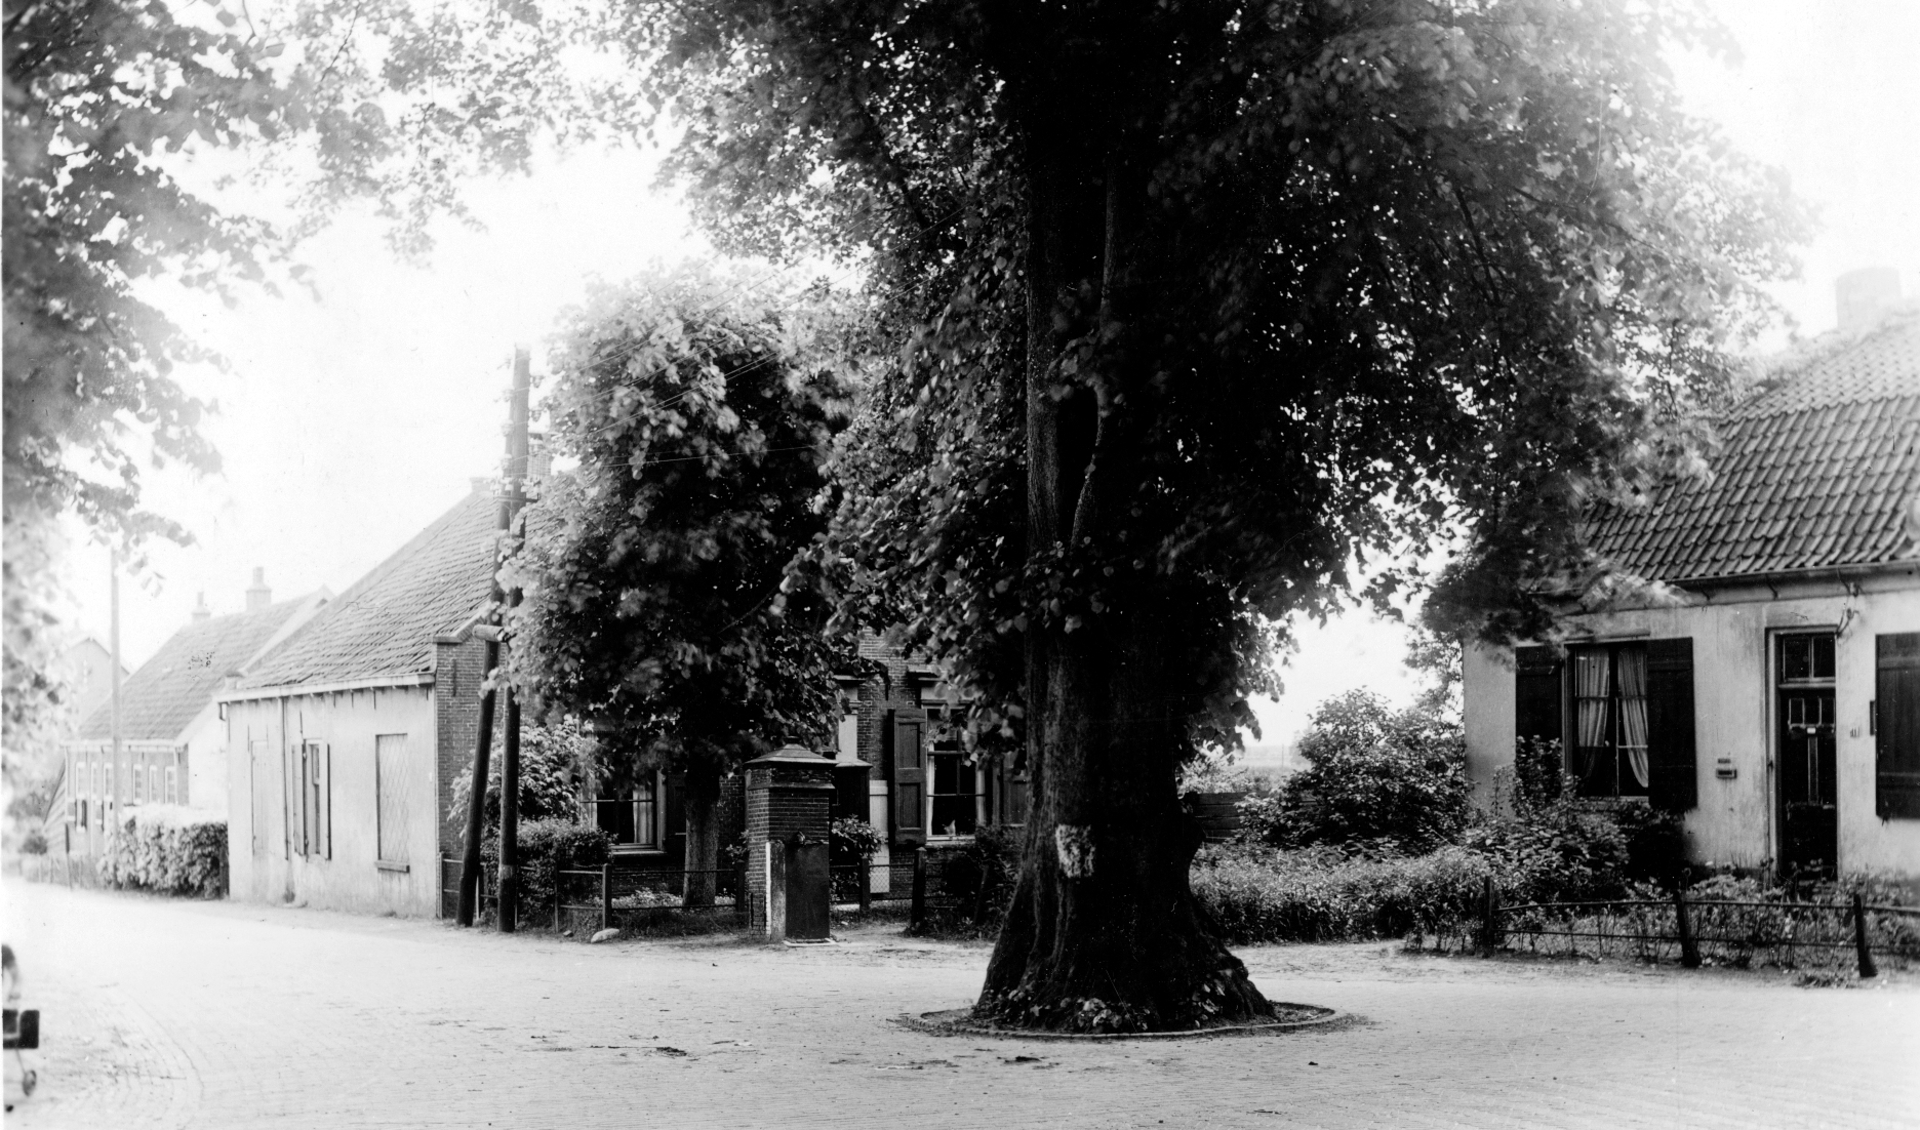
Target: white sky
point(350, 422)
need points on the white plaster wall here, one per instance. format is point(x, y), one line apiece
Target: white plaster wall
point(262, 868)
point(207, 762)
point(1733, 709)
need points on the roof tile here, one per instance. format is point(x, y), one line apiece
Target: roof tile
point(1815, 470)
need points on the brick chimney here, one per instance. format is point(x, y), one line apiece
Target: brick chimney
point(1862, 296)
point(201, 611)
point(259, 596)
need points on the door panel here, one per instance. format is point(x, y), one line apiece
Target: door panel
point(1809, 823)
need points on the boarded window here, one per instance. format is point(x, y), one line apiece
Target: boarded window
point(1896, 726)
point(393, 797)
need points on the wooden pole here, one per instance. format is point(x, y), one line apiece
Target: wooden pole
point(1860, 947)
point(606, 895)
point(510, 755)
point(477, 801)
point(917, 911)
point(113, 642)
point(1689, 949)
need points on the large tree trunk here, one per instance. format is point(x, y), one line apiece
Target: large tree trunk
point(701, 801)
point(1103, 933)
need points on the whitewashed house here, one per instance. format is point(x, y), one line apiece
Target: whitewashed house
point(1774, 700)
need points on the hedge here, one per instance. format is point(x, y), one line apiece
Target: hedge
point(168, 849)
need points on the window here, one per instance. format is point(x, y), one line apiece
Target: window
point(393, 798)
point(173, 785)
point(138, 778)
point(153, 785)
point(1610, 720)
point(633, 821)
point(956, 793)
point(1623, 713)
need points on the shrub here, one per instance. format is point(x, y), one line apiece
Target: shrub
point(1553, 852)
point(1321, 894)
point(547, 847)
point(1374, 775)
point(852, 840)
point(552, 758)
point(975, 882)
point(168, 849)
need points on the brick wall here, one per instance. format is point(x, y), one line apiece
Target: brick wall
point(459, 673)
point(783, 800)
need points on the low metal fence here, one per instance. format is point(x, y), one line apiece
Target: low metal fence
point(1785, 932)
point(642, 894)
point(620, 897)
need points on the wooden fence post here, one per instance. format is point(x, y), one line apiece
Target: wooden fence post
point(606, 895)
point(1689, 949)
point(1865, 954)
point(866, 883)
point(1490, 932)
point(559, 896)
point(917, 914)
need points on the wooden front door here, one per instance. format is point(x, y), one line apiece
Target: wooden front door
point(1808, 815)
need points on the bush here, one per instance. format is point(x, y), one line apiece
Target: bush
point(852, 840)
point(1553, 853)
point(975, 882)
point(1375, 776)
point(547, 847)
point(168, 849)
point(1321, 894)
point(552, 759)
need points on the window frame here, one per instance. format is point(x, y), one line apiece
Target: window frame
point(656, 817)
point(1618, 750)
point(945, 719)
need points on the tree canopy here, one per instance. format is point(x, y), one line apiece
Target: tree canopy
point(658, 603)
point(98, 95)
point(1196, 305)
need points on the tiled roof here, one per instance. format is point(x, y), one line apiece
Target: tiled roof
point(1815, 470)
point(385, 624)
point(158, 701)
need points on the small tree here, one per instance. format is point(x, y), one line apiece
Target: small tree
point(1375, 776)
point(658, 600)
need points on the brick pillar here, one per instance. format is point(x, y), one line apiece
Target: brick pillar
point(789, 794)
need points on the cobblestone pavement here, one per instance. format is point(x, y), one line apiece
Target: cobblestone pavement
point(175, 1014)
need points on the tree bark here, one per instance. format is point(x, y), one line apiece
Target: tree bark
point(701, 801)
point(1104, 933)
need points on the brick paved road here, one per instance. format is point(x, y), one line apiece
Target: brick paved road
point(168, 1014)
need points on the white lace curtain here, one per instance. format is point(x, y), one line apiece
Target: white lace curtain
point(1595, 675)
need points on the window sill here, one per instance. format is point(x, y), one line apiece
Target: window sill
point(637, 849)
point(396, 868)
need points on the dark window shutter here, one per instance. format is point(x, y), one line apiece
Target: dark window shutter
point(1536, 693)
point(1013, 792)
point(906, 732)
point(326, 801)
point(1674, 782)
point(1896, 726)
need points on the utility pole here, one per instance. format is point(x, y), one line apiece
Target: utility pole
point(490, 632)
point(113, 644)
point(510, 754)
